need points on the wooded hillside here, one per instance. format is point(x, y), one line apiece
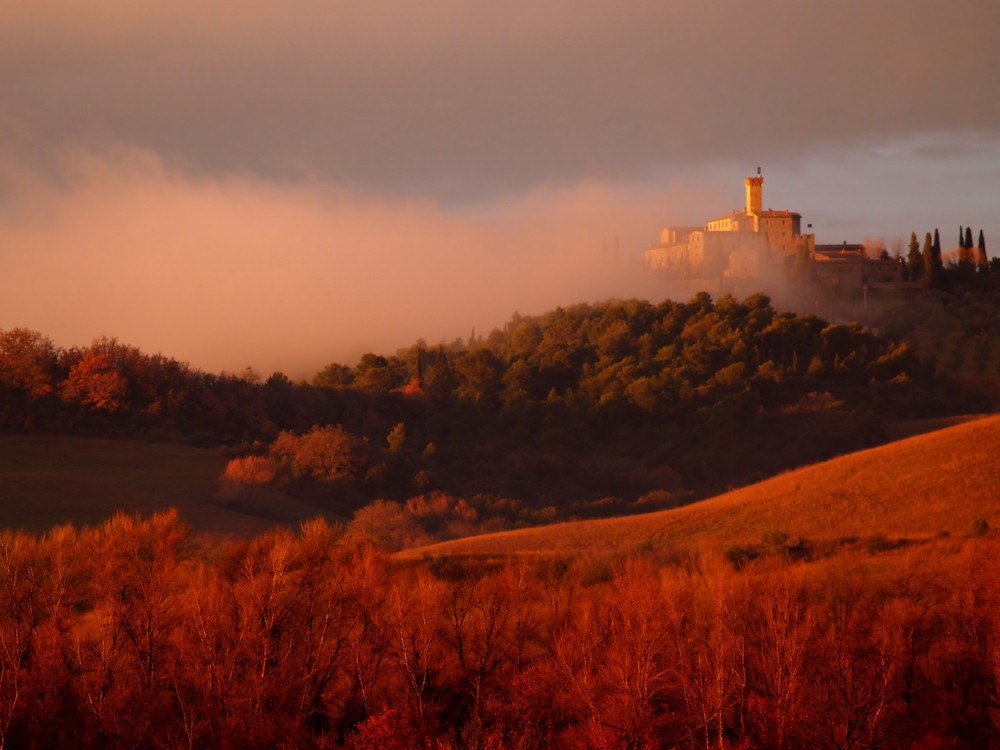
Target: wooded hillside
point(592, 410)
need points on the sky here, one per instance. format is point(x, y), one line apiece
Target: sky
point(282, 185)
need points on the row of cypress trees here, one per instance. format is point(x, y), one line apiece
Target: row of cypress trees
point(928, 264)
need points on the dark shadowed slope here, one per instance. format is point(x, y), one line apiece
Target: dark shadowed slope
point(939, 481)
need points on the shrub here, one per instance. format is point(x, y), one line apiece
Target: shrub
point(251, 470)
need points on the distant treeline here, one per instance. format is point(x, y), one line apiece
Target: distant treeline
point(589, 402)
point(120, 637)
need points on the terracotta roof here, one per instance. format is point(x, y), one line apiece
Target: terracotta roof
point(769, 214)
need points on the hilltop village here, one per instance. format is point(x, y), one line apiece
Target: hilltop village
point(751, 245)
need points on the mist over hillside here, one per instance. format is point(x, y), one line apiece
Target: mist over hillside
point(231, 271)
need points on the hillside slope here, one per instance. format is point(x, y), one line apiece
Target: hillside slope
point(936, 482)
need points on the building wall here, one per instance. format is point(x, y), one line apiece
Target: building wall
point(782, 231)
point(752, 244)
point(676, 235)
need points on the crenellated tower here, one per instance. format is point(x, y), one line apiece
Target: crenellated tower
point(755, 194)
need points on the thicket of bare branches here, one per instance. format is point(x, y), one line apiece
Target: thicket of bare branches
point(123, 636)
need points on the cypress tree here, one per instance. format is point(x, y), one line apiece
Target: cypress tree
point(931, 275)
point(984, 262)
point(966, 261)
point(936, 259)
point(914, 259)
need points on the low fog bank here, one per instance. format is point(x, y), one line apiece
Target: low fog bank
point(234, 272)
point(229, 272)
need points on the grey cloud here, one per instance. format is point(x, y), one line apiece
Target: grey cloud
point(458, 101)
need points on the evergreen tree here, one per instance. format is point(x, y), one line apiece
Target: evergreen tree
point(984, 263)
point(914, 259)
point(930, 277)
point(966, 260)
point(937, 261)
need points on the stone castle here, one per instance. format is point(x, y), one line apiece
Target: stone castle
point(753, 245)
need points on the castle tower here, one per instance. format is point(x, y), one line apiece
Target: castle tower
point(755, 194)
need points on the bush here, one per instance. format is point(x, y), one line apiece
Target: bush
point(251, 470)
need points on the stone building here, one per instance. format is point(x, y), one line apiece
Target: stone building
point(754, 244)
point(846, 269)
point(748, 244)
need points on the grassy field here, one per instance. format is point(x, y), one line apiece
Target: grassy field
point(51, 480)
point(915, 489)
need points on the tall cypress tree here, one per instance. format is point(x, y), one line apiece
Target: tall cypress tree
point(983, 261)
point(966, 260)
point(914, 259)
point(929, 268)
point(936, 258)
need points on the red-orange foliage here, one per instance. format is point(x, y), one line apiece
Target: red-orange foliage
point(118, 637)
point(327, 454)
point(251, 470)
point(94, 381)
point(27, 362)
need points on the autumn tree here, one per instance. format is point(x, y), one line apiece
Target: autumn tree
point(95, 382)
point(20, 616)
point(707, 626)
point(263, 612)
point(855, 668)
point(782, 626)
point(635, 674)
point(135, 589)
point(414, 605)
point(326, 454)
point(27, 362)
point(385, 525)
